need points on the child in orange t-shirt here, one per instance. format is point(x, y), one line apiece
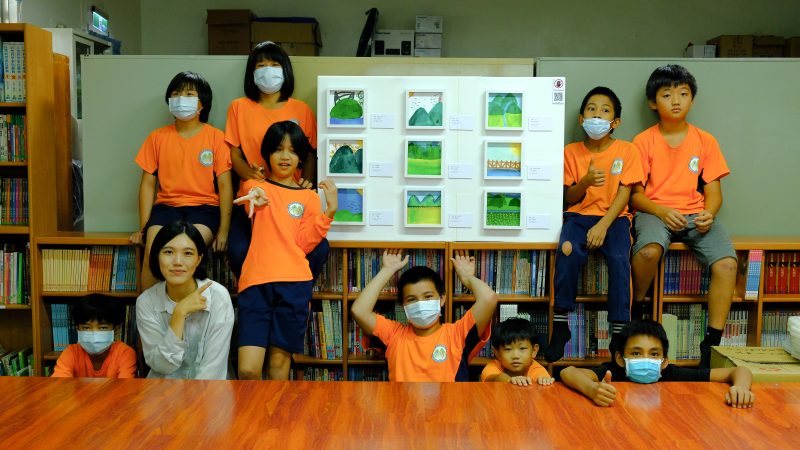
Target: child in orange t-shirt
point(276, 283)
point(680, 197)
point(515, 344)
point(268, 88)
point(598, 175)
point(190, 164)
point(426, 349)
point(96, 354)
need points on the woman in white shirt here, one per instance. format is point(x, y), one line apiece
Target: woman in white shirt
point(185, 321)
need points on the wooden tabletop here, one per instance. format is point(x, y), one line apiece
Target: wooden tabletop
point(100, 413)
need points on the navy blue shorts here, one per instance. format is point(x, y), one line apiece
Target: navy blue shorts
point(275, 314)
point(164, 215)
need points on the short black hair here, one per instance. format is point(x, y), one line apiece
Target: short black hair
point(274, 136)
point(602, 90)
point(193, 80)
point(97, 307)
point(641, 328)
point(670, 75)
point(168, 233)
point(270, 51)
point(415, 275)
point(513, 330)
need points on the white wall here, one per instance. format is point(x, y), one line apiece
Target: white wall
point(124, 24)
point(480, 28)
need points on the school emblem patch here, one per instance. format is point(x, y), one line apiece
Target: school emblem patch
point(694, 164)
point(206, 157)
point(616, 167)
point(439, 353)
point(296, 209)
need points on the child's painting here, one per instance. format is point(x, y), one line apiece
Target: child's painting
point(347, 108)
point(502, 160)
point(502, 209)
point(504, 110)
point(423, 207)
point(425, 109)
point(424, 158)
point(345, 156)
point(351, 206)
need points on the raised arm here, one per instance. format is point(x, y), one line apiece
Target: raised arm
point(363, 307)
point(485, 297)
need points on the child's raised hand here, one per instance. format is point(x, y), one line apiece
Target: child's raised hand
point(393, 259)
point(305, 183)
point(603, 393)
point(520, 381)
point(594, 176)
point(545, 381)
point(256, 196)
point(464, 265)
point(331, 196)
point(739, 397)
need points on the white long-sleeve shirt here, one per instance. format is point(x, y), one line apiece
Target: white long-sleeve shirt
point(202, 354)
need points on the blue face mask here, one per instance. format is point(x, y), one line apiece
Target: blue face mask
point(95, 342)
point(643, 370)
point(596, 128)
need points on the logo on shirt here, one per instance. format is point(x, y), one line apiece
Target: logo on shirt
point(296, 209)
point(694, 164)
point(439, 353)
point(206, 157)
point(616, 167)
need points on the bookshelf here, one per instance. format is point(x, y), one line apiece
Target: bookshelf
point(27, 142)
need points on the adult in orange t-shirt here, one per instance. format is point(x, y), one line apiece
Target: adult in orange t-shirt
point(268, 87)
point(680, 198)
point(189, 163)
point(598, 175)
point(426, 349)
point(96, 354)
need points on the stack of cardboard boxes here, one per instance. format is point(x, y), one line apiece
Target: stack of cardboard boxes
point(745, 46)
point(236, 31)
point(428, 36)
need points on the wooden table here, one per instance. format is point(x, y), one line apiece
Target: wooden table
point(98, 413)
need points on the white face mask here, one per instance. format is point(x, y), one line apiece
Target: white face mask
point(184, 108)
point(424, 313)
point(95, 342)
point(596, 128)
point(269, 79)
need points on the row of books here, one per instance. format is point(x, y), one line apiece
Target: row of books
point(99, 268)
point(683, 274)
point(685, 325)
point(522, 272)
point(65, 332)
point(217, 268)
point(330, 279)
point(735, 332)
point(593, 279)
point(13, 138)
point(364, 264)
point(18, 363)
point(317, 374)
point(591, 333)
point(15, 269)
point(13, 201)
point(755, 259)
point(363, 346)
point(324, 333)
point(13, 79)
point(774, 327)
point(783, 273)
point(367, 374)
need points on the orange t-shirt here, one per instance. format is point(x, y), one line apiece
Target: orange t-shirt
point(673, 174)
point(620, 162)
point(437, 357)
point(283, 233)
point(75, 362)
point(495, 368)
point(186, 167)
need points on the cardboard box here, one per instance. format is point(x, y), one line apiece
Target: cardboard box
point(428, 52)
point(393, 43)
point(700, 51)
point(792, 48)
point(768, 46)
point(229, 31)
point(429, 24)
point(427, 40)
point(298, 36)
point(766, 363)
point(733, 46)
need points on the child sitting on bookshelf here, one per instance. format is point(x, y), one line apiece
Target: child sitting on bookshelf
point(680, 197)
point(640, 357)
point(189, 162)
point(598, 174)
point(426, 349)
point(276, 283)
point(185, 321)
point(96, 354)
point(515, 345)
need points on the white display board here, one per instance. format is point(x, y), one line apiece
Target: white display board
point(443, 158)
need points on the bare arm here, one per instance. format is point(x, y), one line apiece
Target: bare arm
point(485, 297)
point(740, 378)
point(593, 177)
point(245, 170)
point(225, 184)
point(585, 381)
point(671, 217)
point(363, 307)
point(147, 196)
point(713, 202)
point(597, 234)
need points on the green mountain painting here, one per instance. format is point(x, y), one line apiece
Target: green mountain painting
point(503, 209)
point(504, 110)
point(423, 208)
point(347, 109)
point(424, 158)
point(425, 109)
point(345, 160)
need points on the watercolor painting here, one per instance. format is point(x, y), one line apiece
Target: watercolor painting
point(423, 207)
point(424, 158)
point(502, 160)
point(347, 108)
point(425, 109)
point(351, 206)
point(345, 156)
point(502, 209)
point(504, 110)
